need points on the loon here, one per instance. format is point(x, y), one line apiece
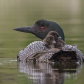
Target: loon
point(46, 50)
point(41, 28)
point(59, 42)
point(66, 50)
point(68, 53)
point(37, 46)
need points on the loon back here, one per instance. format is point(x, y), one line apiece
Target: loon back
point(32, 50)
point(43, 54)
point(37, 46)
point(41, 28)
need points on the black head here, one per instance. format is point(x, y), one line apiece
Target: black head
point(41, 28)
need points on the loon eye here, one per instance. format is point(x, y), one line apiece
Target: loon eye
point(42, 28)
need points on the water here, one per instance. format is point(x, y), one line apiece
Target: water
point(68, 14)
point(45, 73)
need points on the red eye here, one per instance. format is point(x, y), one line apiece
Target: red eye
point(42, 28)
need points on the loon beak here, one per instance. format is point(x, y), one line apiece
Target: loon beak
point(24, 29)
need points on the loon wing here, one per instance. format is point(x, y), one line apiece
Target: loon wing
point(41, 53)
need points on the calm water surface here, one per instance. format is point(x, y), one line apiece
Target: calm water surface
point(16, 13)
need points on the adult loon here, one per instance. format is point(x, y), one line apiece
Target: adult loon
point(41, 28)
point(35, 47)
point(46, 50)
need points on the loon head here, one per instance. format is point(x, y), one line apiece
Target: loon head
point(49, 41)
point(41, 28)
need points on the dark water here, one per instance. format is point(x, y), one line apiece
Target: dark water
point(16, 13)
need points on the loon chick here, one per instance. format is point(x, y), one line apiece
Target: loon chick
point(66, 50)
point(59, 42)
point(41, 28)
point(37, 46)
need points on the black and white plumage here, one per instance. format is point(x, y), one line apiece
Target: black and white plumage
point(45, 50)
point(36, 47)
point(74, 48)
point(31, 49)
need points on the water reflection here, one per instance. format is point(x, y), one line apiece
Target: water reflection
point(49, 73)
